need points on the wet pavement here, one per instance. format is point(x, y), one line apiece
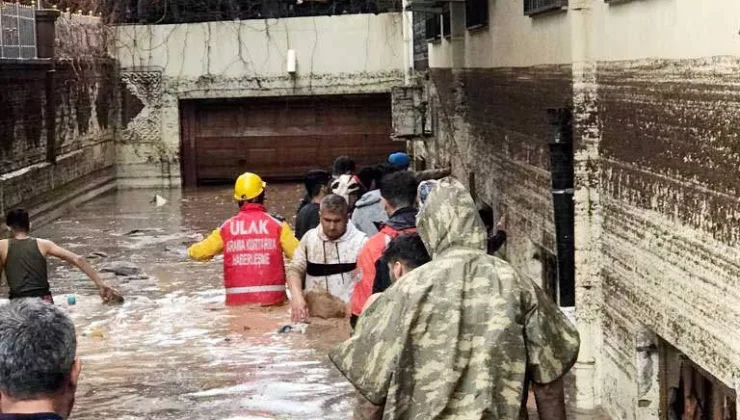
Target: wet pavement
point(173, 350)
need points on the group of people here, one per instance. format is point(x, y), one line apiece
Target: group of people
point(442, 329)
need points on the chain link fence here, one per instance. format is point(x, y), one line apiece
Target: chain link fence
point(17, 31)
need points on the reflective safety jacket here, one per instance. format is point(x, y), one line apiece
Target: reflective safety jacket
point(253, 243)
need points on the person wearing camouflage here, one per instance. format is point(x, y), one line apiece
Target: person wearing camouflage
point(458, 337)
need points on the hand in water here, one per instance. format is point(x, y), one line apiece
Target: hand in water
point(110, 295)
point(298, 309)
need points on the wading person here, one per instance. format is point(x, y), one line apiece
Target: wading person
point(369, 214)
point(398, 192)
point(317, 187)
point(348, 187)
point(403, 254)
point(253, 243)
point(455, 338)
point(23, 260)
point(39, 370)
point(322, 274)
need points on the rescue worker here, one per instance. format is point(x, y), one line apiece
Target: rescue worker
point(398, 192)
point(325, 264)
point(253, 243)
point(24, 261)
point(458, 337)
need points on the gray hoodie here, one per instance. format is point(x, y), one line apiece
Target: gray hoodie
point(369, 213)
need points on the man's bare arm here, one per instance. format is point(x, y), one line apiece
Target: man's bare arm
point(550, 400)
point(106, 292)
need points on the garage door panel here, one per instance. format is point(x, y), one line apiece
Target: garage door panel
point(283, 138)
point(291, 130)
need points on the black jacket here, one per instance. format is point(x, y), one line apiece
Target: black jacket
point(402, 220)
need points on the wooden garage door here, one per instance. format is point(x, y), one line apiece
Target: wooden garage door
point(282, 138)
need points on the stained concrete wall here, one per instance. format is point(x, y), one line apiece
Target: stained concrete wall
point(84, 102)
point(165, 63)
point(652, 85)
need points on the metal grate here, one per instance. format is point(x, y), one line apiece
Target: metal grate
point(533, 7)
point(17, 31)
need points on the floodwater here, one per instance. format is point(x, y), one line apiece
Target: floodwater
point(173, 350)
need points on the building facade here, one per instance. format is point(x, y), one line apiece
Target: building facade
point(275, 96)
point(652, 86)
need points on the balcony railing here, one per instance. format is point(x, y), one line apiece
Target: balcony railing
point(17, 31)
point(534, 7)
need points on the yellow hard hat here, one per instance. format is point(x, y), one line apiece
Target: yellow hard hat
point(248, 186)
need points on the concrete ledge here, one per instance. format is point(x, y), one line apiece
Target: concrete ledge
point(49, 190)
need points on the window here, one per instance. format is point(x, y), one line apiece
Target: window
point(533, 7)
point(476, 13)
point(446, 22)
point(434, 28)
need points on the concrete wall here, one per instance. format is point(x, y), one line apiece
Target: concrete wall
point(653, 88)
point(85, 107)
point(165, 63)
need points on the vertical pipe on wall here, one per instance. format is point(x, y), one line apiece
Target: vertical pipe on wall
point(408, 44)
point(562, 171)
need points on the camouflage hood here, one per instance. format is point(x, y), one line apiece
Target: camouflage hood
point(453, 338)
point(449, 219)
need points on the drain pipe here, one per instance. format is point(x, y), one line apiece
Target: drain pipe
point(407, 21)
point(562, 173)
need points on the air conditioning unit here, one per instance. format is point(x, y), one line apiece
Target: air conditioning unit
point(410, 113)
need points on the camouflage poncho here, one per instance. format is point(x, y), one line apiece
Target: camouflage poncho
point(453, 339)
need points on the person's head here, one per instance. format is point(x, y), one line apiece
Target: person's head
point(485, 212)
point(18, 221)
point(405, 253)
point(38, 364)
point(367, 176)
point(343, 165)
point(399, 160)
point(317, 182)
point(249, 188)
point(349, 187)
point(334, 216)
point(398, 190)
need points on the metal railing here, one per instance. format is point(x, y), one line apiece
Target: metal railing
point(17, 31)
point(533, 7)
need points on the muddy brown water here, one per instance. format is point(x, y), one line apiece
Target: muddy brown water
point(173, 350)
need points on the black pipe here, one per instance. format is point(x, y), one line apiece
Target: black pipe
point(563, 181)
point(51, 117)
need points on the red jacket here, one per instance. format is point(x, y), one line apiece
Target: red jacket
point(254, 270)
point(369, 255)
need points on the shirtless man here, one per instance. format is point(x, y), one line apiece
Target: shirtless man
point(23, 259)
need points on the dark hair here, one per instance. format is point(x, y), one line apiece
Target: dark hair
point(485, 212)
point(314, 180)
point(399, 189)
point(344, 165)
point(37, 349)
point(408, 249)
point(384, 169)
point(367, 175)
point(260, 199)
point(18, 220)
